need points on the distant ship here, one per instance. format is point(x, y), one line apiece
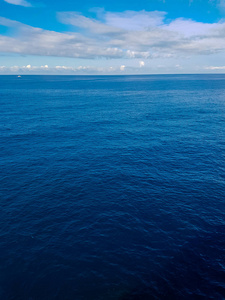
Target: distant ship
point(19, 76)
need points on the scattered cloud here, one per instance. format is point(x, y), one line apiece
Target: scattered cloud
point(221, 5)
point(132, 21)
point(154, 68)
point(45, 69)
point(215, 68)
point(141, 63)
point(132, 35)
point(179, 67)
point(19, 2)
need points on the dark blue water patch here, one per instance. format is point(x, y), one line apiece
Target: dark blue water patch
point(189, 274)
point(112, 187)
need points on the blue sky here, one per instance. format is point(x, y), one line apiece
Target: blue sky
point(112, 37)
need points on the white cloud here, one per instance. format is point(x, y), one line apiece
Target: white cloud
point(131, 35)
point(131, 20)
point(148, 34)
point(215, 68)
point(92, 25)
point(154, 68)
point(189, 28)
point(19, 2)
point(179, 67)
point(122, 67)
point(60, 69)
point(141, 64)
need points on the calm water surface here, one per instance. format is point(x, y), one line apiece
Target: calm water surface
point(112, 188)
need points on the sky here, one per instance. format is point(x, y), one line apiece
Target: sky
point(112, 37)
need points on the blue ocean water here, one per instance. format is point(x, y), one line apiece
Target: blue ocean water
point(112, 187)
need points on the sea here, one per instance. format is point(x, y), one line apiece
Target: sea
point(112, 187)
